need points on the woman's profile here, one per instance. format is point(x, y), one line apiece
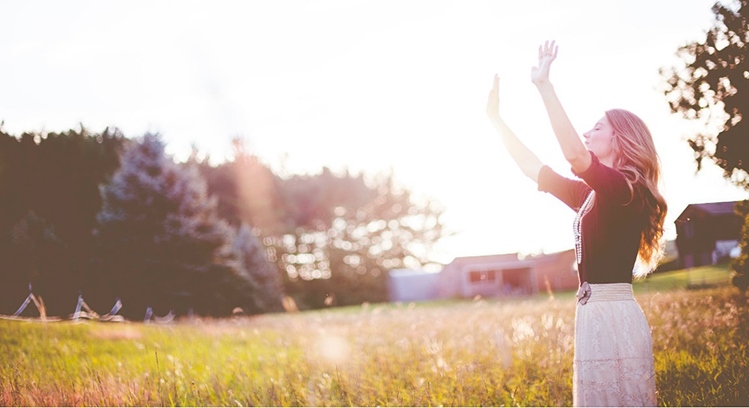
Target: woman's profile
point(617, 233)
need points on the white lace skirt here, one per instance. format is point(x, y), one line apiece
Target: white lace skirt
point(613, 350)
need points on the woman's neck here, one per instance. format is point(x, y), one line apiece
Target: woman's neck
point(607, 161)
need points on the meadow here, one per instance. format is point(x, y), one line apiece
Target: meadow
point(453, 353)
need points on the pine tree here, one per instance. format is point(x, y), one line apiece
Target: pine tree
point(56, 177)
point(258, 272)
point(162, 243)
point(37, 248)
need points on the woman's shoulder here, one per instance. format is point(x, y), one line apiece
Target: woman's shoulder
point(609, 183)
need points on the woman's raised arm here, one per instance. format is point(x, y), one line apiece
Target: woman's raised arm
point(528, 162)
point(572, 147)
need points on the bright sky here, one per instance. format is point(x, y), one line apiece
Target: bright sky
point(364, 85)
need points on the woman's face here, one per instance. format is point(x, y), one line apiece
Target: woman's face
point(600, 140)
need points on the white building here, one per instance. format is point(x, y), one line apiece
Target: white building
point(407, 285)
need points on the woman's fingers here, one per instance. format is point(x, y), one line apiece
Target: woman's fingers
point(548, 49)
point(547, 52)
point(495, 87)
point(494, 93)
point(492, 103)
point(551, 50)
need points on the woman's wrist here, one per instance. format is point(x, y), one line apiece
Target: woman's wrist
point(544, 86)
point(497, 120)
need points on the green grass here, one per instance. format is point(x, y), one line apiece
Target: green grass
point(469, 353)
point(700, 277)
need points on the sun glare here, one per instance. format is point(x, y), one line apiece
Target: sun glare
point(333, 349)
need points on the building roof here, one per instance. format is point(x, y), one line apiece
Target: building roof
point(411, 272)
point(707, 209)
point(484, 259)
point(505, 258)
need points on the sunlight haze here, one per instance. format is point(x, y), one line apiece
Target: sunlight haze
point(365, 86)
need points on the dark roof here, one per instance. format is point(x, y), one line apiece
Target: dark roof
point(723, 208)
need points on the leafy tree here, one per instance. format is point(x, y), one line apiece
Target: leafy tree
point(711, 87)
point(333, 237)
point(162, 243)
point(741, 264)
point(350, 233)
point(247, 190)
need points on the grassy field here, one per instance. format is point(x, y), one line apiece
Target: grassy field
point(485, 352)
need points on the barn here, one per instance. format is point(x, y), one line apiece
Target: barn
point(706, 233)
point(508, 274)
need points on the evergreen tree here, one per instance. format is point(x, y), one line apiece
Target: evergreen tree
point(161, 241)
point(38, 254)
point(53, 178)
point(259, 274)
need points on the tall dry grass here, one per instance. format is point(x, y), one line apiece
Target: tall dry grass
point(511, 352)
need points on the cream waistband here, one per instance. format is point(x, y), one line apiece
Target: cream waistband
point(607, 292)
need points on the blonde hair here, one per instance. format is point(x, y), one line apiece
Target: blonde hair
point(637, 159)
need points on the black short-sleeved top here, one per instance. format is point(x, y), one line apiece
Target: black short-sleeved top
point(612, 228)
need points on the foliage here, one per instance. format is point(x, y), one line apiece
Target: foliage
point(350, 234)
point(709, 86)
point(484, 353)
point(37, 249)
point(259, 274)
point(161, 242)
point(247, 190)
point(741, 264)
point(332, 236)
point(49, 195)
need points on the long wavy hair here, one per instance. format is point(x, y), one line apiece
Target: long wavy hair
point(637, 159)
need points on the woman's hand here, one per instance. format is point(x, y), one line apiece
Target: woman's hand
point(547, 53)
point(492, 103)
point(528, 162)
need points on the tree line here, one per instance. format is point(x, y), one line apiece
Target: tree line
point(108, 217)
point(111, 217)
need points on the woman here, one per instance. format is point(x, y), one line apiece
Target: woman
point(617, 230)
